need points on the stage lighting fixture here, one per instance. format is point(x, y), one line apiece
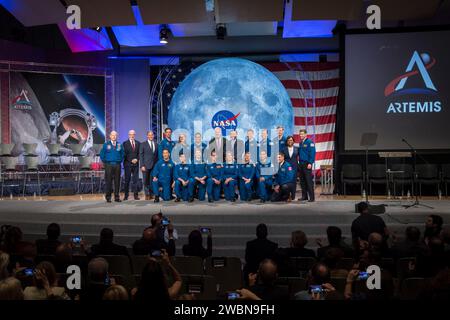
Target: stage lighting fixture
point(163, 34)
point(221, 31)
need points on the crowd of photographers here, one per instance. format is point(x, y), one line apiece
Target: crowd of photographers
point(23, 277)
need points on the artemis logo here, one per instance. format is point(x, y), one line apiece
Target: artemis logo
point(419, 64)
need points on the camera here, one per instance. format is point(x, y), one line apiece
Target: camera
point(76, 240)
point(316, 289)
point(28, 272)
point(165, 221)
point(363, 275)
point(204, 230)
point(156, 253)
point(233, 295)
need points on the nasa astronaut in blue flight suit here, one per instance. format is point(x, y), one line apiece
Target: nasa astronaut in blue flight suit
point(264, 175)
point(181, 177)
point(198, 177)
point(214, 180)
point(307, 156)
point(246, 176)
point(230, 177)
point(283, 184)
point(166, 143)
point(162, 177)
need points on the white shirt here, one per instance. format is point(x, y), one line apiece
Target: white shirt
point(151, 144)
point(291, 151)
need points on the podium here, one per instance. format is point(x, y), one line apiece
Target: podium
point(391, 173)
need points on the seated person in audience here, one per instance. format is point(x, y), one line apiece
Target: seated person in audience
point(298, 243)
point(230, 177)
point(356, 289)
point(11, 289)
point(258, 249)
point(153, 286)
point(445, 235)
point(283, 184)
point(376, 242)
point(115, 293)
point(431, 263)
point(63, 257)
point(366, 224)
point(4, 265)
point(320, 277)
point(246, 176)
point(162, 177)
point(48, 246)
point(334, 236)
point(263, 284)
point(162, 231)
point(195, 245)
point(150, 243)
point(264, 172)
point(214, 171)
point(438, 289)
point(98, 280)
point(197, 184)
point(45, 284)
point(13, 241)
point(106, 246)
point(331, 259)
point(433, 227)
point(181, 176)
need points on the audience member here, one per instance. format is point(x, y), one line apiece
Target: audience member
point(115, 292)
point(258, 249)
point(433, 227)
point(411, 246)
point(195, 245)
point(106, 246)
point(63, 257)
point(11, 289)
point(98, 280)
point(331, 259)
point(45, 284)
point(318, 278)
point(366, 224)
point(335, 240)
point(48, 246)
point(150, 243)
point(4, 264)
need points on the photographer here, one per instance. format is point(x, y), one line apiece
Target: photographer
point(195, 245)
point(151, 244)
point(318, 284)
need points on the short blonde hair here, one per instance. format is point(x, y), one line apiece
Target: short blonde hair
point(11, 289)
point(115, 292)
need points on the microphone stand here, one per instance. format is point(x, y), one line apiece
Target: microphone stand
point(416, 195)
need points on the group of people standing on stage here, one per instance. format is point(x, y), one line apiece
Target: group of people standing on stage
point(265, 169)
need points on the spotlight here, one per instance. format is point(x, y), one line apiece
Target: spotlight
point(164, 34)
point(221, 31)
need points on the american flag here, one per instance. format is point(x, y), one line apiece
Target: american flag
point(313, 88)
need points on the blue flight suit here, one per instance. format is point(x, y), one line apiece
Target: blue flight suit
point(230, 170)
point(246, 170)
point(252, 147)
point(214, 170)
point(284, 178)
point(112, 157)
point(163, 170)
point(266, 171)
point(198, 170)
point(195, 147)
point(182, 171)
point(163, 145)
point(307, 155)
point(281, 142)
point(266, 145)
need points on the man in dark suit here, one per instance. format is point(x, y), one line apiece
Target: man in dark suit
point(148, 156)
point(218, 144)
point(131, 164)
point(291, 155)
point(106, 246)
point(258, 249)
point(237, 146)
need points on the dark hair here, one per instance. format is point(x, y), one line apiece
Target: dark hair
point(412, 234)
point(316, 276)
point(165, 130)
point(261, 231)
point(53, 231)
point(298, 239)
point(13, 236)
point(332, 257)
point(153, 285)
point(303, 130)
point(195, 238)
point(153, 219)
point(49, 271)
point(437, 220)
point(289, 137)
point(106, 235)
point(281, 154)
point(334, 235)
point(362, 206)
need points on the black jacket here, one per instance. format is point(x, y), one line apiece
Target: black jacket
point(256, 251)
point(129, 153)
point(147, 157)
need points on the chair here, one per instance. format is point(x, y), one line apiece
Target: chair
point(85, 165)
point(445, 176)
point(345, 263)
point(138, 263)
point(29, 149)
point(302, 264)
point(32, 167)
point(204, 287)
point(188, 265)
point(376, 174)
point(120, 265)
point(412, 287)
point(352, 174)
point(6, 149)
point(226, 270)
point(294, 284)
point(428, 174)
point(405, 177)
point(9, 171)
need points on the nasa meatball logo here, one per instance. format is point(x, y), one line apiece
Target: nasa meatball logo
point(424, 97)
point(226, 120)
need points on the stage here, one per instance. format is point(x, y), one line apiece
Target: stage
point(232, 224)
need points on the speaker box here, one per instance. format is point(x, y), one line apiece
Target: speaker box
point(374, 209)
point(61, 192)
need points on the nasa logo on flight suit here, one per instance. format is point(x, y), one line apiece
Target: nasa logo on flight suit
point(108, 147)
point(185, 168)
point(218, 166)
point(118, 147)
point(169, 165)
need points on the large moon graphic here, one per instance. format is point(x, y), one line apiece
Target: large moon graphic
point(234, 84)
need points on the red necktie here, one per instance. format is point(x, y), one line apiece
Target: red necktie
point(132, 144)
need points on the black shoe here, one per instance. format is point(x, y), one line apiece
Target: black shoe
point(191, 199)
point(233, 200)
point(302, 199)
point(108, 200)
point(136, 197)
point(210, 200)
point(177, 200)
point(156, 199)
point(262, 200)
point(125, 198)
point(117, 200)
point(311, 200)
